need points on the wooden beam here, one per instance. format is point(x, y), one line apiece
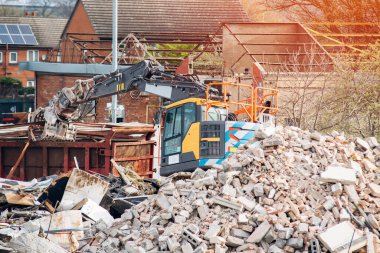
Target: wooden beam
point(13, 169)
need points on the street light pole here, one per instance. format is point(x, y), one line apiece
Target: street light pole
point(114, 53)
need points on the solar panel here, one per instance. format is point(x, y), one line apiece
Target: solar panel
point(30, 40)
point(17, 39)
point(13, 29)
point(18, 34)
point(6, 39)
point(25, 29)
point(3, 29)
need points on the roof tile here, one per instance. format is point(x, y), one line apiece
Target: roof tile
point(47, 30)
point(171, 16)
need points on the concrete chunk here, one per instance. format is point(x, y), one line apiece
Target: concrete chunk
point(275, 140)
point(229, 190)
point(220, 249)
point(336, 174)
point(186, 247)
point(212, 231)
point(179, 219)
point(303, 228)
point(341, 235)
point(352, 194)
point(173, 245)
point(239, 233)
point(259, 232)
point(258, 190)
point(191, 237)
point(203, 211)
point(337, 188)
point(372, 142)
point(227, 203)
point(162, 202)
point(234, 241)
point(344, 215)
point(197, 174)
point(247, 203)
point(272, 193)
point(285, 233)
point(217, 240)
point(204, 181)
point(375, 189)
point(242, 219)
point(362, 144)
point(369, 166)
point(296, 243)
point(275, 249)
point(32, 243)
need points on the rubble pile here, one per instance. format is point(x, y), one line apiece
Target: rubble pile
point(287, 190)
point(53, 214)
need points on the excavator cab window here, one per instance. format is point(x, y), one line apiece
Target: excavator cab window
point(178, 121)
point(214, 114)
point(189, 116)
point(173, 131)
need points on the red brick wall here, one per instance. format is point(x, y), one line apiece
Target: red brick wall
point(81, 24)
point(12, 70)
point(135, 109)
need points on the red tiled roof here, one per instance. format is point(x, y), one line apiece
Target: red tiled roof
point(47, 30)
point(169, 16)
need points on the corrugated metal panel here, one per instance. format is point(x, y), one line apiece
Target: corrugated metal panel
point(197, 16)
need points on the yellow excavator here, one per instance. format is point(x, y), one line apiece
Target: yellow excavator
point(202, 124)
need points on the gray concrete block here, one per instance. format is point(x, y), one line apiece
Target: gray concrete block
point(234, 241)
point(259, 232)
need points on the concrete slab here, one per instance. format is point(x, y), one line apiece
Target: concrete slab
point(337, 238)
point(337, 174)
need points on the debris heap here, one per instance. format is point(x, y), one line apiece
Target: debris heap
point(287, 190)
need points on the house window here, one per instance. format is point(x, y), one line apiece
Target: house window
point(12, 57)
point(32, 55)
point(1, 57)
point(30, 83)
point(59, 57)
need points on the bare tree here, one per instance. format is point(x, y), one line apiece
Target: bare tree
point(6, 10)
point(303, 80)
point(344, 96)
point(357, 93)
point(44, 7)
point(57, 8)
point(65, 7)
point(333, 11)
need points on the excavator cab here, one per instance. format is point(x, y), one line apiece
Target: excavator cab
point(197, 132)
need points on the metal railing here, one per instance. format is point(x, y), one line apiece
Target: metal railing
point(260, 101)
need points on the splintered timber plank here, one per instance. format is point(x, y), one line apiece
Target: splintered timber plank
point(10, 175)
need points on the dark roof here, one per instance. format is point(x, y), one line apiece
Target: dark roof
point(170, 16)
point(47, 30)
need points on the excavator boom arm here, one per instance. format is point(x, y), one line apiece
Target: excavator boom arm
point(71, 103)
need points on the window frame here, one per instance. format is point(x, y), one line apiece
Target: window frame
point(186, 128)
point(33, 81)
point(183, 131)
point(10, 57)
point(173, 131)
point(34, 53)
